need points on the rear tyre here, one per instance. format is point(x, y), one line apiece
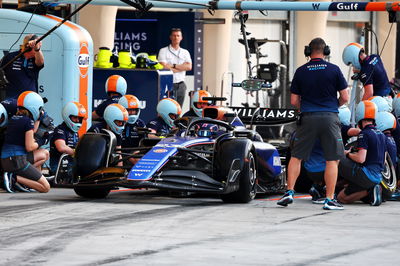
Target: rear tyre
point(247, 183)
point(92, 193)
point(389, 178)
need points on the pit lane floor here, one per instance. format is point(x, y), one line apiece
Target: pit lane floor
point(149, 228)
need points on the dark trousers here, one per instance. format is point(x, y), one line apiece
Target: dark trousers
point(179, 92)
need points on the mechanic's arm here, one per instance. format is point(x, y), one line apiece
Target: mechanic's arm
point(36, 126)
point(62, 147)
point(343, 97)
point(295, 100)
point(368, 92)
point(352, 132)
point(30, 143)
point(358, 157)
point(36, 47)
point(183, 67)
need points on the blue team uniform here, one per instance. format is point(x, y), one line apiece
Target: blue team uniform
point(159, 125)
point(373, 72)
point(190, 113)
point(14, 141)
point(345, 137)
point(11, 106)
point(307, 84)
point(100, 109)
point(130, 136)
point(374, 141)
point(70, 137)
point(396, 136)
point(391, 147)
point(22, 74)
point(103, 125)
point(316, 163)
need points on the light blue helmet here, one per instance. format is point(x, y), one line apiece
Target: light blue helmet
point(351, 54)
point(116, 84)
point(366, 110)
point(396, 105)
point(168, 108)
point(130, 102)
point(385, 120)
point(381, 103)
point(74, 109)
point(115, 112)
point(32, 102)
point(344, 115)
point(3, 116)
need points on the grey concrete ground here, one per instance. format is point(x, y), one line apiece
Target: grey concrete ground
point(148, 228)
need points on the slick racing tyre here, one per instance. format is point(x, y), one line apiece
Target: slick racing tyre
point(92, 193)
point(389, 178)
point(247, 183)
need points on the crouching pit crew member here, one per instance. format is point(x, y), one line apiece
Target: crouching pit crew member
point(21, 157)
point(197, 104)
point(168, 111)
point(115, 118)
point(115, 88)
point(362, 169)
point(65, 135)
point(314, 90)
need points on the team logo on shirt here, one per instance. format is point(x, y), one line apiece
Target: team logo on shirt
point(83, 60)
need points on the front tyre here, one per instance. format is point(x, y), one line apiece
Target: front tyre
point(92, 193)
point(247, 183)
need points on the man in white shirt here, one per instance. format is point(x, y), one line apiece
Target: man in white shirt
point(178, 60)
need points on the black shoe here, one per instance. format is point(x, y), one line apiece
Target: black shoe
point(376, 195)
point(286, 199)
point(9, 182)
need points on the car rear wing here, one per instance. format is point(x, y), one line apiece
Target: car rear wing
point(265, 116)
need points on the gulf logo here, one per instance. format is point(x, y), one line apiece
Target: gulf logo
point(83, 60)
point(160, 150)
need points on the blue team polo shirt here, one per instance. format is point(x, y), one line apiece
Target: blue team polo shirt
point(22, 74)
point(70, 137)
point(344, 129)
point(373, 72)
point(100, 109)
point(103, 125)
point(374, 141)
point(317, 83)
point(14, 140)
point(130, 136)
point(159, 126)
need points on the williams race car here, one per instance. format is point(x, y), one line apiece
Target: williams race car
point(206, 156)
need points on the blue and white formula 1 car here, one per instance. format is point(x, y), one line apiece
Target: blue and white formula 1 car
point(208, 156)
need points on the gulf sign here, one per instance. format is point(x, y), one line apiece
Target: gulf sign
point(83, 60)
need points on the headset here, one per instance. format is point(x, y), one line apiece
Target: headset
point(307, 48)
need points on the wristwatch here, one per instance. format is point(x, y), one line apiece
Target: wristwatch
point(37, 50)
point(174, 65)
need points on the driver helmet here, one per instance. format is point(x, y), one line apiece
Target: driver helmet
point(131, 104)
point(116, 116)
point(169, 110)
point(32, 102)
point(351, 54)
point(197, 103)
point(74, 109)
point(381, 103)
point(385, 121)
point(344, 115)
point(116, 84)
point(3, 116)
point(206, 130)
point(366, 110)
